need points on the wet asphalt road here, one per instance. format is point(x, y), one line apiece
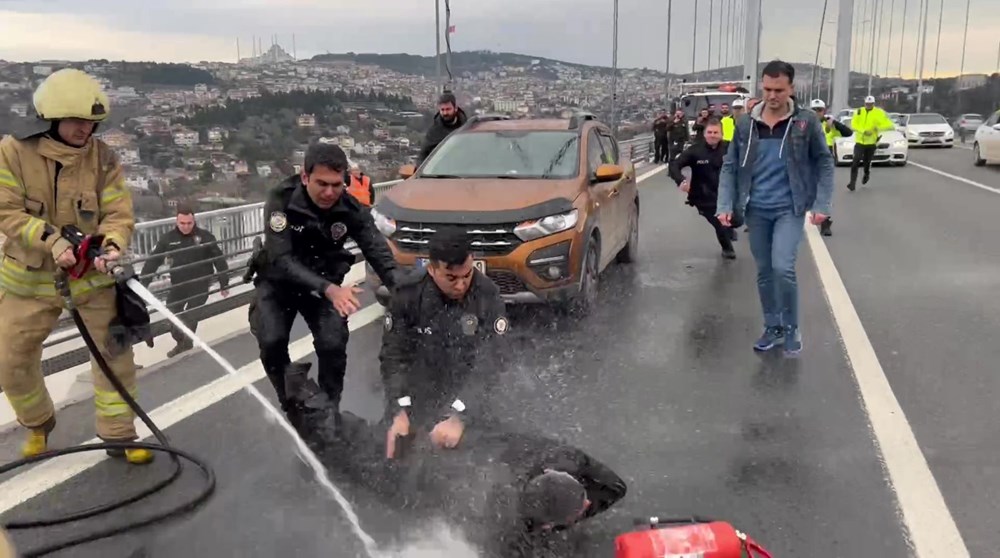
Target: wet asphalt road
point(660, 384)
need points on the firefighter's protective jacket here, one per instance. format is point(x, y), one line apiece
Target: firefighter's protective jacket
point(45, 185)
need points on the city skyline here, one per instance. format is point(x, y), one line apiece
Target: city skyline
point(576, 31)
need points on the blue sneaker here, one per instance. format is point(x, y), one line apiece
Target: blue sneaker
point(793, 341)
point(772, 337)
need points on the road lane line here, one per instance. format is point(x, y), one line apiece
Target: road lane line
point(930, 526)
point(958, 178)
point(49, 474)
point(45, 476)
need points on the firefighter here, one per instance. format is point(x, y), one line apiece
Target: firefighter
point(61, 176)
point(441, 350)
point(303, 264)
point(194, 258)
point(361, 186)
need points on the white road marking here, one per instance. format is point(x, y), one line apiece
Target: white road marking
point(49, 474)
point(645, 175)
point(958, 178)
point(930, 525)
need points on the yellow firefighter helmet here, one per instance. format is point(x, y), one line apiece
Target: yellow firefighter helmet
point(71, 93)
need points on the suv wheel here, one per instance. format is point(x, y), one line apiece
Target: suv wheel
point(976, 159)
point(589, 280)
point(630, 252)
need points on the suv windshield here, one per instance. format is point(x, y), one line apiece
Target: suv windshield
point(692, 104)
point(927, 119)
point(507, 154)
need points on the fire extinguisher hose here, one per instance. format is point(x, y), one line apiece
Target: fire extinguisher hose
point(163, 446)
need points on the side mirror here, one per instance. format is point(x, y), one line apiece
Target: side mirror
point(406, 171)
point(608, 173)
point(996, 127)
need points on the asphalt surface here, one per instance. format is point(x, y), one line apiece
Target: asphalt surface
point(918, 254)
point(661, 385)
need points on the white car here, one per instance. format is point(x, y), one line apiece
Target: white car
point(986, 148)
point(928, 129)
point(892, 149)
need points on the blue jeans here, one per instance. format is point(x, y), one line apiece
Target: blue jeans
point(775, 236)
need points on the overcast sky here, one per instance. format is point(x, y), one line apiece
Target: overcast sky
point(572, 30)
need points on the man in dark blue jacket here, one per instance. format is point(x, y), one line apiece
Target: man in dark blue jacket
point(777, 169)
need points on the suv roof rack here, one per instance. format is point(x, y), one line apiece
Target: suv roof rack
point(579, 117)
point(480, 118)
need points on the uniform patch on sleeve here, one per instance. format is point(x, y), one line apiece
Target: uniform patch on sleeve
point(278, 221)
point(387, 322)
point(501, 325)
point(338, 230)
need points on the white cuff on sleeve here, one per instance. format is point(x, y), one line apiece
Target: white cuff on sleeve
point(405, 401)
point(458, 405)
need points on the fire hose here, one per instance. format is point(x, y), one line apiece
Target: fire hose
point(86, 249)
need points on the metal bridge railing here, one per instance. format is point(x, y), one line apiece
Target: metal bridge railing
point(235, 229)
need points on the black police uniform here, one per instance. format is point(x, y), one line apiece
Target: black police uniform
point(304, 254)
point(440, 356)
point(193, 260)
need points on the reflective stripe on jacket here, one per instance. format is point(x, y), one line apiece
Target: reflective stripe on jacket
point(45, 185)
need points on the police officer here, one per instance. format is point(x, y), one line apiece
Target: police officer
point(304, 263)
point(833, 129)
point(62, 176)
point(194, 258)
point(441, 350)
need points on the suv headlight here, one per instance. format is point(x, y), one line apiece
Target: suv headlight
point(531, 230)
point(949, 133)
point(385, 225)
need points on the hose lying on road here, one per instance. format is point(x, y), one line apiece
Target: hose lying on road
point(163, 446)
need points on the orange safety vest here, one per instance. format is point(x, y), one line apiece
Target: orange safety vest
point(361, 190)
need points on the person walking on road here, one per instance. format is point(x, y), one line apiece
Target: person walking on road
point(867, 124)
point(832, 129)
point(728, 121)
point(777, 169)
point(705, 161)
point(194, 258)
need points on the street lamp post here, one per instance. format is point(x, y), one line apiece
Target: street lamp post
point(961, 68)
point(694, 38)
point(437, 27)
point(871, 46)
point(614, 73)
point(666, 77)
point(923, 54)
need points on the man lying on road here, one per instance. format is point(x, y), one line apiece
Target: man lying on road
point(505, 490)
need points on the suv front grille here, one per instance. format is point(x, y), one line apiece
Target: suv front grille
point(931, 134)
point(507, 282)
point(484, 240)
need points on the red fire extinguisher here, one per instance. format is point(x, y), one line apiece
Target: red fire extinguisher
point(687, 538)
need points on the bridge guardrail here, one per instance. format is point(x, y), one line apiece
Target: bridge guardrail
point(235, 229)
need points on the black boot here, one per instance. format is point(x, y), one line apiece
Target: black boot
point(310, 410)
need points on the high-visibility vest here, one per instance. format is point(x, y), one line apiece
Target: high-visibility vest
point(361, 190)
point(728, 127)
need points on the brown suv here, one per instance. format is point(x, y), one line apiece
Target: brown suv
point(547, 205)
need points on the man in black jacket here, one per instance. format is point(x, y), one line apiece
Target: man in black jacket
point(304, 263)
point(704, 158)
point(448, 119)
point(194, 259)
point(677, 135)
point(442, 348)
point(660, 127)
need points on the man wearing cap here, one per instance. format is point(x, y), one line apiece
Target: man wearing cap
point(867, 123)
point(833, 129)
